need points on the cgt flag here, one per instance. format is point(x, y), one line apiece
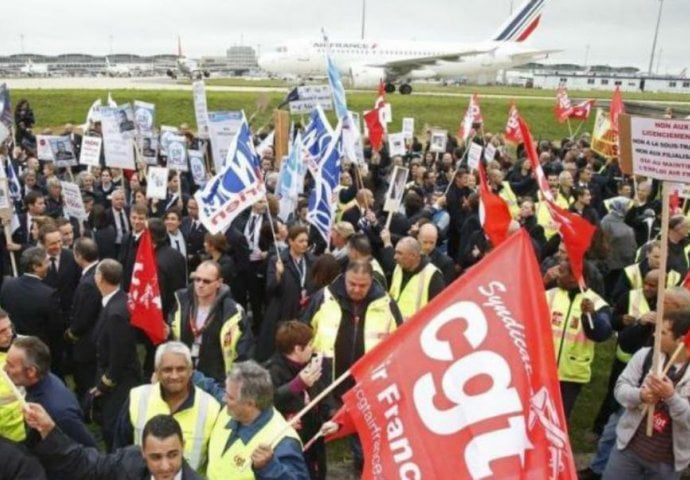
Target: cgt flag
point(472, 119)
point(144, 299)
point(372, 118)
point(494, 213)
point(237, 186)
point(468, 387)
point(512, 132)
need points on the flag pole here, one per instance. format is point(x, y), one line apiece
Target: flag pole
point(665, 198)
point(464, 156)
point(570, 129)
point(8, 239)
point(577, 130)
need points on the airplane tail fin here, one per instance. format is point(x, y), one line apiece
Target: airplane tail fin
point(522, 23)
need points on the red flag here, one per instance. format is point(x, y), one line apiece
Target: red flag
point(617, 107)
point(494, 213)
point(373, 119)
point(473, 116)
point(575, 231)
point(563, 107)
point(582, 110)
point(344, 420)
point(468, 387)
point(144, 300)
point(512, 132)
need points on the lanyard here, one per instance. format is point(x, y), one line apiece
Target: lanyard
point(301, 271)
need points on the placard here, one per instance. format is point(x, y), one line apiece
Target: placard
point(408, 127)
point(90, 153)
point(125, 120)
point(118, 149)
point(396, 189)
point(489, 152)
point(386, 113)
point(309, 96)
point(197, 166)
point(43, 149)
point(144, 117)
point(157, 183)
point(63, 151)
point(177, 153)
point(396, 144)
point(148, 146)
point(200, 108)
point(438, 141)
point(222, 127)
point(474, 156)
point(74, 205)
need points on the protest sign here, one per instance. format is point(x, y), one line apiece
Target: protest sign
point(386, 113)
point(408, 127)
point(197, 166)
point(309, 96)
point(63, 151)
point(5, 200)
point(164, 138)
point(43, 149)
point(157, 183)
point(438, 141)
point(396, 189)
point(656, 148)
point(200, 108)
point(177, 153)
point(90, 153)
point(144, 117)
point(74, 206)
point(396, 144)
point(118, 149)
point(474, 156)
point(222, 127)
point(148, 146)
point(489, 152)
point(125, 120)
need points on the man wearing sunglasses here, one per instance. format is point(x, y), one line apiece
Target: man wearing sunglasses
point(210, 323)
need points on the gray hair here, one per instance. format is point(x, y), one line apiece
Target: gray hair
point(254, 382)
point(54, 182)
point(32, 258)
point(175, 347)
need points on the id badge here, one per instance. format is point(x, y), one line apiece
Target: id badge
point(195, 350)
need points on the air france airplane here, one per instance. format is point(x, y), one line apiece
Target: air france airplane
point(366, 62)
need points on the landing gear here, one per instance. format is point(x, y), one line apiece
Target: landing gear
point(405, 89)
point(390, 88)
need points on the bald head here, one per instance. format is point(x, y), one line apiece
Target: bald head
point(408, 253)
point(427, 237)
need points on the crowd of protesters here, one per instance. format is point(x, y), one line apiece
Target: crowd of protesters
point(264, 316)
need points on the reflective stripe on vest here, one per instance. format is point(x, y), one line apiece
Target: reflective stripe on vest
point(11, 416)
point(509, 196)
point(378, 320)
point(416, 292)
point(637, 306)
point(235, 462)
point(573, 350)
point(196, 422)
point(230, 334)
point(634, 276)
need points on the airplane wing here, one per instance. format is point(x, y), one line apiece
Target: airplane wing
point(530, 56)
point(404, 66)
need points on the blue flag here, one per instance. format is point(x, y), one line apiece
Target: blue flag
point(337, 89)
point(237, 186)
point(5, 112)
point(322, 199)
point(13, 182)
point(315, 139)
point(290, 180)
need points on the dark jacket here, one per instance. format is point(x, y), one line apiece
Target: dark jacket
point(127, 256)
point(284, 299)
point(172, 275)
point(17, 463)
point(444, 263)
point(105, 239)
point(59, 453)
point(33, 307)
point(211, 361)
point(65, 281)
point(85, 311)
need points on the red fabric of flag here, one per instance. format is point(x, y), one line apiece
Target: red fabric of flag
point(512, 132)
point(494, 213)
point(582, 110)
point(473, 117)
point(144, 302)
point(617, 107)
point(563, 107)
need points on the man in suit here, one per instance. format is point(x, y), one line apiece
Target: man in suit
point(63, 275)
point(117, 364)
point(117, 215)
point(85, 310)
point(35, 206)
point(130, 242)
point(33, 306)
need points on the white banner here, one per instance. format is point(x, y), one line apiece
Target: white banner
point(90, 153)
point(74, 206)
point(474, 156)
point(396, 189)
point(408, 127)
point(177, 153)
point(157, 183)
point(43, 149)
point(200, 108)
point(489, 152)
point(438, 141)
point(661, 148)
point(144, 117)
point(309, 97)
point(396, 144)
point(63, 151)
point(119, 150)
point(222, 127)
point(197, 166)
point(166, 132)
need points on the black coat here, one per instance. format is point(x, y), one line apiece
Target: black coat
point(445, 264)
point(172, 275)
point(194, 239)
point(283, 297)
point(85, 311)
point(65, 281)
point(33, 306)
point(17, 463)
point(116, 344)
point(61, 454)
point(127, 256)
point(105, 239)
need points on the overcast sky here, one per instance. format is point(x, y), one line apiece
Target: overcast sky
point(618, 32)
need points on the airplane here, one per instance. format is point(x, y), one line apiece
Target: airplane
point(186, 67)
point(32, 69)
point(115, 70)
point(366, 62)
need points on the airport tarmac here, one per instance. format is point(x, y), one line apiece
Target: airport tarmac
point(164, 83)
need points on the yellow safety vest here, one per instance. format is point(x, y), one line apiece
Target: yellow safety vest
point(235, 462)
point(230, 334)
point(11, 417)
point(574, 351)
point(544, 217)
point(634, 276)
point(637, 306)
point(379, 322)
point(416, 292)
point(196, 422)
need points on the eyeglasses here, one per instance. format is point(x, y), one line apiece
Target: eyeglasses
point(205, 281)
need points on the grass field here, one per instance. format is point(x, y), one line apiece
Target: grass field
point(53, 108)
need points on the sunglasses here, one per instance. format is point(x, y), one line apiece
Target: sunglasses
point(205, 281)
